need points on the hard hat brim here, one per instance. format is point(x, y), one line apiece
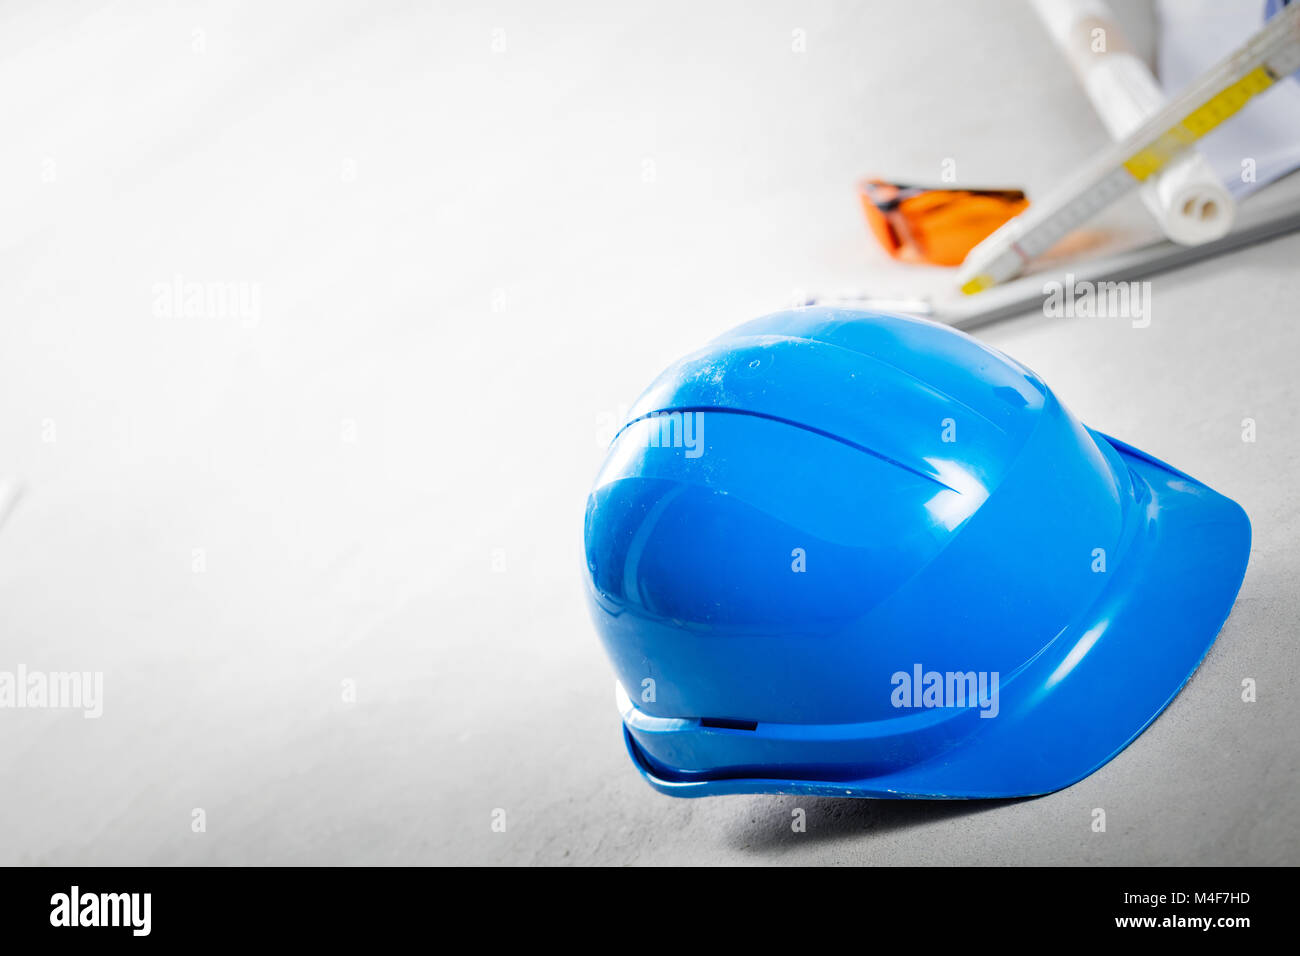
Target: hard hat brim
point(1080, 702)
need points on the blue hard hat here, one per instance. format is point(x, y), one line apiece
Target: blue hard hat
point(845, 553)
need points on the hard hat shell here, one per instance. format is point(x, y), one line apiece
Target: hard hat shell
point(846, 553)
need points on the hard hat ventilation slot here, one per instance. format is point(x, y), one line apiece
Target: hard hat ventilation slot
point(727, 724)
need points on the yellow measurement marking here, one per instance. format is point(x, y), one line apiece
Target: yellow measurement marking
point(1225, 104)
point(977, 284)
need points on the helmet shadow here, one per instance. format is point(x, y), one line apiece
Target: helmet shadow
point(769, 826)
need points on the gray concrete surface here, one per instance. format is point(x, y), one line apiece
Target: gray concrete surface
point(458, 264)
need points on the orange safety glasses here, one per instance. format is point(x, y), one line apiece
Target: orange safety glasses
point(936, 226)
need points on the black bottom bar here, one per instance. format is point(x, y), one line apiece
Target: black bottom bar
point(337, 905)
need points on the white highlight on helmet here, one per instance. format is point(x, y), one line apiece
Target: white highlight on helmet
point(1081, 647)
point(961, 499)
